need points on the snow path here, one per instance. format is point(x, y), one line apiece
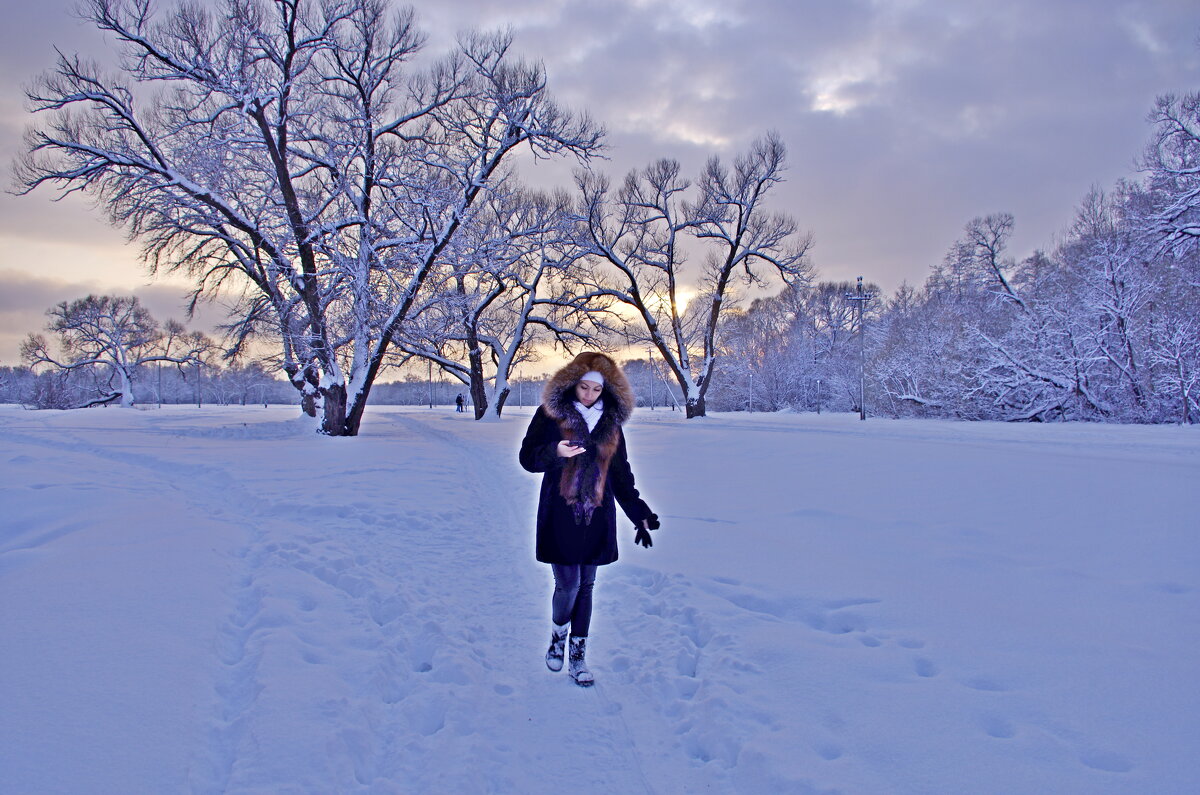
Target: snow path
point(390, 622)
point(187, 604)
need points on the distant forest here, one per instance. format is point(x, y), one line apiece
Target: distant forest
point(391, 233)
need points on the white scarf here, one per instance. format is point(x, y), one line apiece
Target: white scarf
point(590, 415)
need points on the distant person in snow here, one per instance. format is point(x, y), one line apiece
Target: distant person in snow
point(458, 401)
point(575, 439)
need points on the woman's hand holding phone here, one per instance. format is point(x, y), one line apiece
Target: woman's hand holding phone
point(569, 449)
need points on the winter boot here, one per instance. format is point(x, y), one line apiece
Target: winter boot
point(578, 668)
point(554, 654)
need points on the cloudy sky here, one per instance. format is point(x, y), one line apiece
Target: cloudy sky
point(903, 118)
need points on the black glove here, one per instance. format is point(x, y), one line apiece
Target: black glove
point(652, 521)
point(642, 536)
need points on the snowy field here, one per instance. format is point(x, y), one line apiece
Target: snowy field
point(217, 600)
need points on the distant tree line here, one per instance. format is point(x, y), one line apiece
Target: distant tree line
point(209, 383)
point(109, 350)
point(156, 384)
point(362, 215)
point(1104, 327)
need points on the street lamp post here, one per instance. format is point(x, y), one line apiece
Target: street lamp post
point(650, 353)
point(860, 298)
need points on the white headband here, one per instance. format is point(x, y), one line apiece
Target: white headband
point(593, 376)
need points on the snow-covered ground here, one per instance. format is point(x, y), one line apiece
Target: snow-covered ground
point(216, 600)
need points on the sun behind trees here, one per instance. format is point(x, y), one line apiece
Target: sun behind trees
point(638, 240)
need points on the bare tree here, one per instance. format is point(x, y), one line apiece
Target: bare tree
point(1113, 291)
point(986, 240)
point(639, 239)
point(1177, 352)
point(112, 334)
point(291, 159)
point(509, 288)
point(1172, 163)
point(1042, 369)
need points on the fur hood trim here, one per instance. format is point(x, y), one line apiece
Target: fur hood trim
point(559, 395)
point(583, 476)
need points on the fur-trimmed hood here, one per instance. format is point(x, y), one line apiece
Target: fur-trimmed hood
point(558, 398)
point(584, 476)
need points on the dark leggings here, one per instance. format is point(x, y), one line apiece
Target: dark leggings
point(573, 597)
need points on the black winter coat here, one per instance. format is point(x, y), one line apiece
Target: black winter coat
point(559, 539)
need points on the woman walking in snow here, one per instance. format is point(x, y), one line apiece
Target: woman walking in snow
point(575, 439)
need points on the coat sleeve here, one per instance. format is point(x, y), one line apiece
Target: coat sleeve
point(620, 476)
point(539, 448)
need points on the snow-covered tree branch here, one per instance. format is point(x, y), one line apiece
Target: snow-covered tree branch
point(115, 335)
point(639, 239)
point(289, 156)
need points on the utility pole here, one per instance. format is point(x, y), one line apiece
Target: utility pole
point(860, 298)
point(431, 383)
point(650, 353)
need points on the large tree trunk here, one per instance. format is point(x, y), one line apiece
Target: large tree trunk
point(126, 388)
point(478, 385)
point(694, 407)
point(354, 414)
point(478, 388)
point(334, 421)
point(501, 398)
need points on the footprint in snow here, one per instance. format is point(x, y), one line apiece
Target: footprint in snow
point(925, 667)
point(987, 684)
point(999, 727)
point(828, 751)
point(421, 654)
point(687, 663)
point(428, 718)
point(1107, 761)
